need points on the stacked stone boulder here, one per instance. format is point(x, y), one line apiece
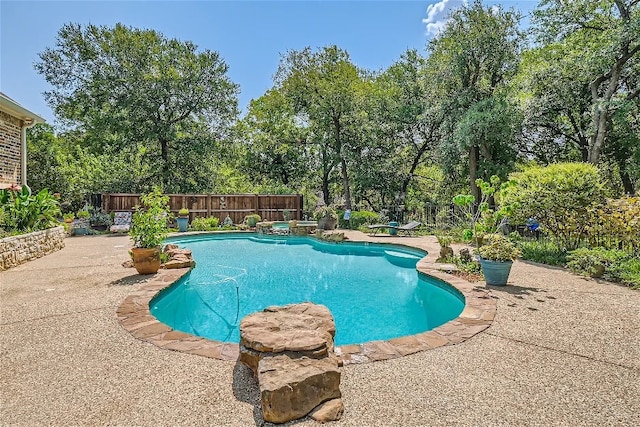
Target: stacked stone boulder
point(178, 258)
point(290, 350)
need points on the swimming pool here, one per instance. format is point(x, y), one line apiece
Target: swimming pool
point(373, 291)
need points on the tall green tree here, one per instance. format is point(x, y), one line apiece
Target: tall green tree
point(407, 118)
point(324, 88)
point(472, 60)
point(136, 91)
point(600, 40)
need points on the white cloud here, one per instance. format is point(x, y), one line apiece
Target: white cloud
point(437, 14)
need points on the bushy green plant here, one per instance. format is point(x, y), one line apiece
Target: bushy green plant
point(205, 224)
point(252, 220)
point(594, 262)
point(498, 248)
point(149, 223)
point(444, 241)
point(482, 219)
point(83, 214)
point(325, 212)
point(69, 216)
point(286, 214)
point(357, 219)
point(543, 251)
point(183, 212)
point(24, 212)
point(627, 271)
point(616, 224)
point(560, 197)
point(99, 217)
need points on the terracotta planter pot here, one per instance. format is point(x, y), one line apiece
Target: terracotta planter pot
point(146, 260)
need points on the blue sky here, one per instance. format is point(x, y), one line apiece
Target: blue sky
point(249, 35)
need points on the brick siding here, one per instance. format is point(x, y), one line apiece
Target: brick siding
point(10, 133)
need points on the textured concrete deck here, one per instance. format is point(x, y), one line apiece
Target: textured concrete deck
point(562, 350)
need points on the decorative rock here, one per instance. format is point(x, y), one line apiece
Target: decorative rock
point(299, 329)
point(331, 410)
point(290, 388)
point(178, 258)
point(176, 263)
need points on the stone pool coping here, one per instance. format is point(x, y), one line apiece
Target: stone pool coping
point(477, 315)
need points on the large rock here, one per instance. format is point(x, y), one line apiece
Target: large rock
point(296, 330)
point(292, 387)
point(331, 410)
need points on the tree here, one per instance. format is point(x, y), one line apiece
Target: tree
point(137, 91)
point(600, 39)
point(472, 60)
point(324, 89)
point(406, 117)
point(274, 140)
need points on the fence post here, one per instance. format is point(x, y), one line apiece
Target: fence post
point(255, 201)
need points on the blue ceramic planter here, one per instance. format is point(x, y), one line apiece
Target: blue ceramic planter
point(183, 224)
point(496, 273)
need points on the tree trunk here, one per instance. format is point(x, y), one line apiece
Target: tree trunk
point(474, 159)
point(345, 183)
point(627, 183)
point(325, 186)
point(165, 170)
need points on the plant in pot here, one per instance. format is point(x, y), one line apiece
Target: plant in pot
point(252, 220)
point(100, 220)
point(446, 251)
point(148, 230)
point(496, 258)
point(81, 223)
point(69, 217)
point(183, 220)
point(327, 217)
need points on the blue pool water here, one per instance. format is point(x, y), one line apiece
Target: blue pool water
point(373, 291)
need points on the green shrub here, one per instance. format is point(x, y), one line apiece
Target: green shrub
point(561, 197)
point(627, 271)
point(205, 224)
point(594, 262)
point(23, 212)
point(357, 219)
point(183, 212)
point(252, 220)
point(498, 248)
point(616, 225)
point(543, 251)
point(83, 214)
point(149, 223)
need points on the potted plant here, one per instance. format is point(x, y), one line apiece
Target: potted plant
point(183, 219)
point(148, 230)
point(327, 217)
point(69, 217)
point(100, 220)
point(81, 223)
point(496, 258)
point(252, 220)
point(446, 251)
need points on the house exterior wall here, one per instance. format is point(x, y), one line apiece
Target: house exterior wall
point(10, 146)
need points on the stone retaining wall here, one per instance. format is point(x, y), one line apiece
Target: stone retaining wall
point(16, 250)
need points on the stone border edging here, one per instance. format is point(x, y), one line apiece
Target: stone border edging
point(477, 315)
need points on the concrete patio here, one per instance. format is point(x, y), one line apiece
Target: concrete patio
point(562, 350)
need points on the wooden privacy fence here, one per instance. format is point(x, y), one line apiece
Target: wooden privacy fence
point(236, 206)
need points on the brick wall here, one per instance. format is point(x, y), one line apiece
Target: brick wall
point(10, 132)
